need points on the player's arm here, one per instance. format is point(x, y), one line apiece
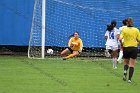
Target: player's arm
point(118, 33)
point(106, 35)
point(118, 36)
point(81, 46)
point(121, 37)
point(70, 43)
point(138, 38)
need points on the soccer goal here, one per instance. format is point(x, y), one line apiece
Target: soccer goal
point(54, 21)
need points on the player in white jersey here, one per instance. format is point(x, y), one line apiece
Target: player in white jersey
point(111, 37)
point(124, 22)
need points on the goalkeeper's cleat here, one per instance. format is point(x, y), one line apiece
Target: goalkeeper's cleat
point(64, 58)
point(129, 81)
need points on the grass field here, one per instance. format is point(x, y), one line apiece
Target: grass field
point(53, 75)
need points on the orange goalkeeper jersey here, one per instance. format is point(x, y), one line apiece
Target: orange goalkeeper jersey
point(75, 44)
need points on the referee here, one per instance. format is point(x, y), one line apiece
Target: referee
point(131, 36)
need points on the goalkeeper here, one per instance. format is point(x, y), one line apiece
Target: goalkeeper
point(75, 46)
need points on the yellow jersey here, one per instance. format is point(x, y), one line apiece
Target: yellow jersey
point(131, 35)
point(75, 44)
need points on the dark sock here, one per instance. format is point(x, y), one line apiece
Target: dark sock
point(131, 70)
point(125, 69)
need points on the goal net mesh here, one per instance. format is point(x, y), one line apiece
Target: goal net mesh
point(88, 17)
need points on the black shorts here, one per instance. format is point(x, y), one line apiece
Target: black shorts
point(130, 52)
point(70, 50)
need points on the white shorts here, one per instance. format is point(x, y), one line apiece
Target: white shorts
point(113, 48)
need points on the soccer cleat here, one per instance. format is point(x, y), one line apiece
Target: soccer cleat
point(64, 58)
point(124, 77)
point(119, 62)
point(129, 81)
point(115, 68)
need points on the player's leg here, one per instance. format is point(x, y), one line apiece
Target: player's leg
point(113, 51)
point(132, 61)
point(65, 52)
point(107, 54)
point(75, 53)
point(126, 56)
point(131, 68)
point(114, 58)
point(126, 66)
point(120, 55)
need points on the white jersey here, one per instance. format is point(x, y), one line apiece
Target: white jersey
point(112, 37)
point(121, 28)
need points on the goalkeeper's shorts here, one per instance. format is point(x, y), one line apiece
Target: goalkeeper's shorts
point(70, 50)
point(73, 50)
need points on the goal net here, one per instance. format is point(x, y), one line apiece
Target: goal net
point(37, 36)
point(64, 17)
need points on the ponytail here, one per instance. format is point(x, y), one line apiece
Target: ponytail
point(110, 27)
point(129, 22)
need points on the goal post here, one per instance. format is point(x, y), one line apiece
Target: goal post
point(43, 28)
point(36, 47)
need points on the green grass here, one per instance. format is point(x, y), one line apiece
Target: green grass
point(53, 75)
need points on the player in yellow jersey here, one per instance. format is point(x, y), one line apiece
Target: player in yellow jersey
point(131, 36)
point(75, 46)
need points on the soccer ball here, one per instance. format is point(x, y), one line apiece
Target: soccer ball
point(50, 51)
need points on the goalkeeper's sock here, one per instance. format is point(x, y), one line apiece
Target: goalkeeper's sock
point(70, 56)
